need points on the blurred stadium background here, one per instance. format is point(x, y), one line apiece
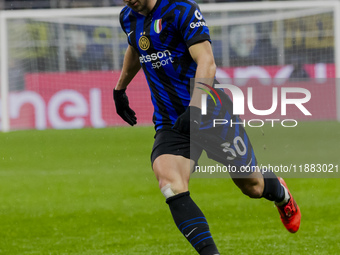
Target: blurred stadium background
point(59, 65)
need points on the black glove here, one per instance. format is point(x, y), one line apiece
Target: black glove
point(189, 121)
point(122, 107)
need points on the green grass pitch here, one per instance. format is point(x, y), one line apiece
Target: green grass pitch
point(92, 191)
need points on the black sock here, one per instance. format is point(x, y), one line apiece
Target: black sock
point(273, 189)
point(192, 223)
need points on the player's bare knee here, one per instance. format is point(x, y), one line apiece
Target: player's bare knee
point(172, 173)
point(253, 191)
point(252, 186)
point(171, 188)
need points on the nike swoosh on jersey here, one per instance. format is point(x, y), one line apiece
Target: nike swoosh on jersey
point(130, 33)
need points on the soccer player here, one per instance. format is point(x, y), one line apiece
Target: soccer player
point(170, 40)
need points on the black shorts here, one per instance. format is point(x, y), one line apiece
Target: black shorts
point(227, 144)
point(171, 141)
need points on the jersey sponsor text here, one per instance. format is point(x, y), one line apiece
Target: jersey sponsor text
point(163, 57)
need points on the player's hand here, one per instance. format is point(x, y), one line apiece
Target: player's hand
point(122, 107)
point(189, 121)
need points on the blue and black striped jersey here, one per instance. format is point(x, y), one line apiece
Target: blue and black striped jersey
point(162, 40)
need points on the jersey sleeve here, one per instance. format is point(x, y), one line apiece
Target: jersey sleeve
point(125, 23)
point(192, 24)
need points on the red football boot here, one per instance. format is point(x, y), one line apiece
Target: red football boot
point(289, 213)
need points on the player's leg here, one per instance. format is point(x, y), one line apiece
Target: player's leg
point(172, 171)
point(173, 174)
point(252, 185)
point(266, 184)
point(258, 184)
point(230, 145)
point(273, 189)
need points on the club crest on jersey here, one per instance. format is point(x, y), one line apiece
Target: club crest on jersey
point(158, 26)
point(144, 43)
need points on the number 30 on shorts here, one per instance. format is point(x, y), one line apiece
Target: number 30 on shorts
point(240, 148)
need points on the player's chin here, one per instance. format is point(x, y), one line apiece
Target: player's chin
point(135, 6)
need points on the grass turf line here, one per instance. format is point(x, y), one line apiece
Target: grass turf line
point(92, 191)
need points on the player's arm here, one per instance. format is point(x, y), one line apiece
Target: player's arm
point(202, 54)
point(130, 68)
point(197, 39)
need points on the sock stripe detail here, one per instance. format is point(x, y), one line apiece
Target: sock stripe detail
point(193, 224)
point(198, 235)
point(201, 240)
point(190, 220)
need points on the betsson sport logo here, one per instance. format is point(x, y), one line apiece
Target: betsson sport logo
point(199, 23)
point(239, 105)
point(162, 58)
